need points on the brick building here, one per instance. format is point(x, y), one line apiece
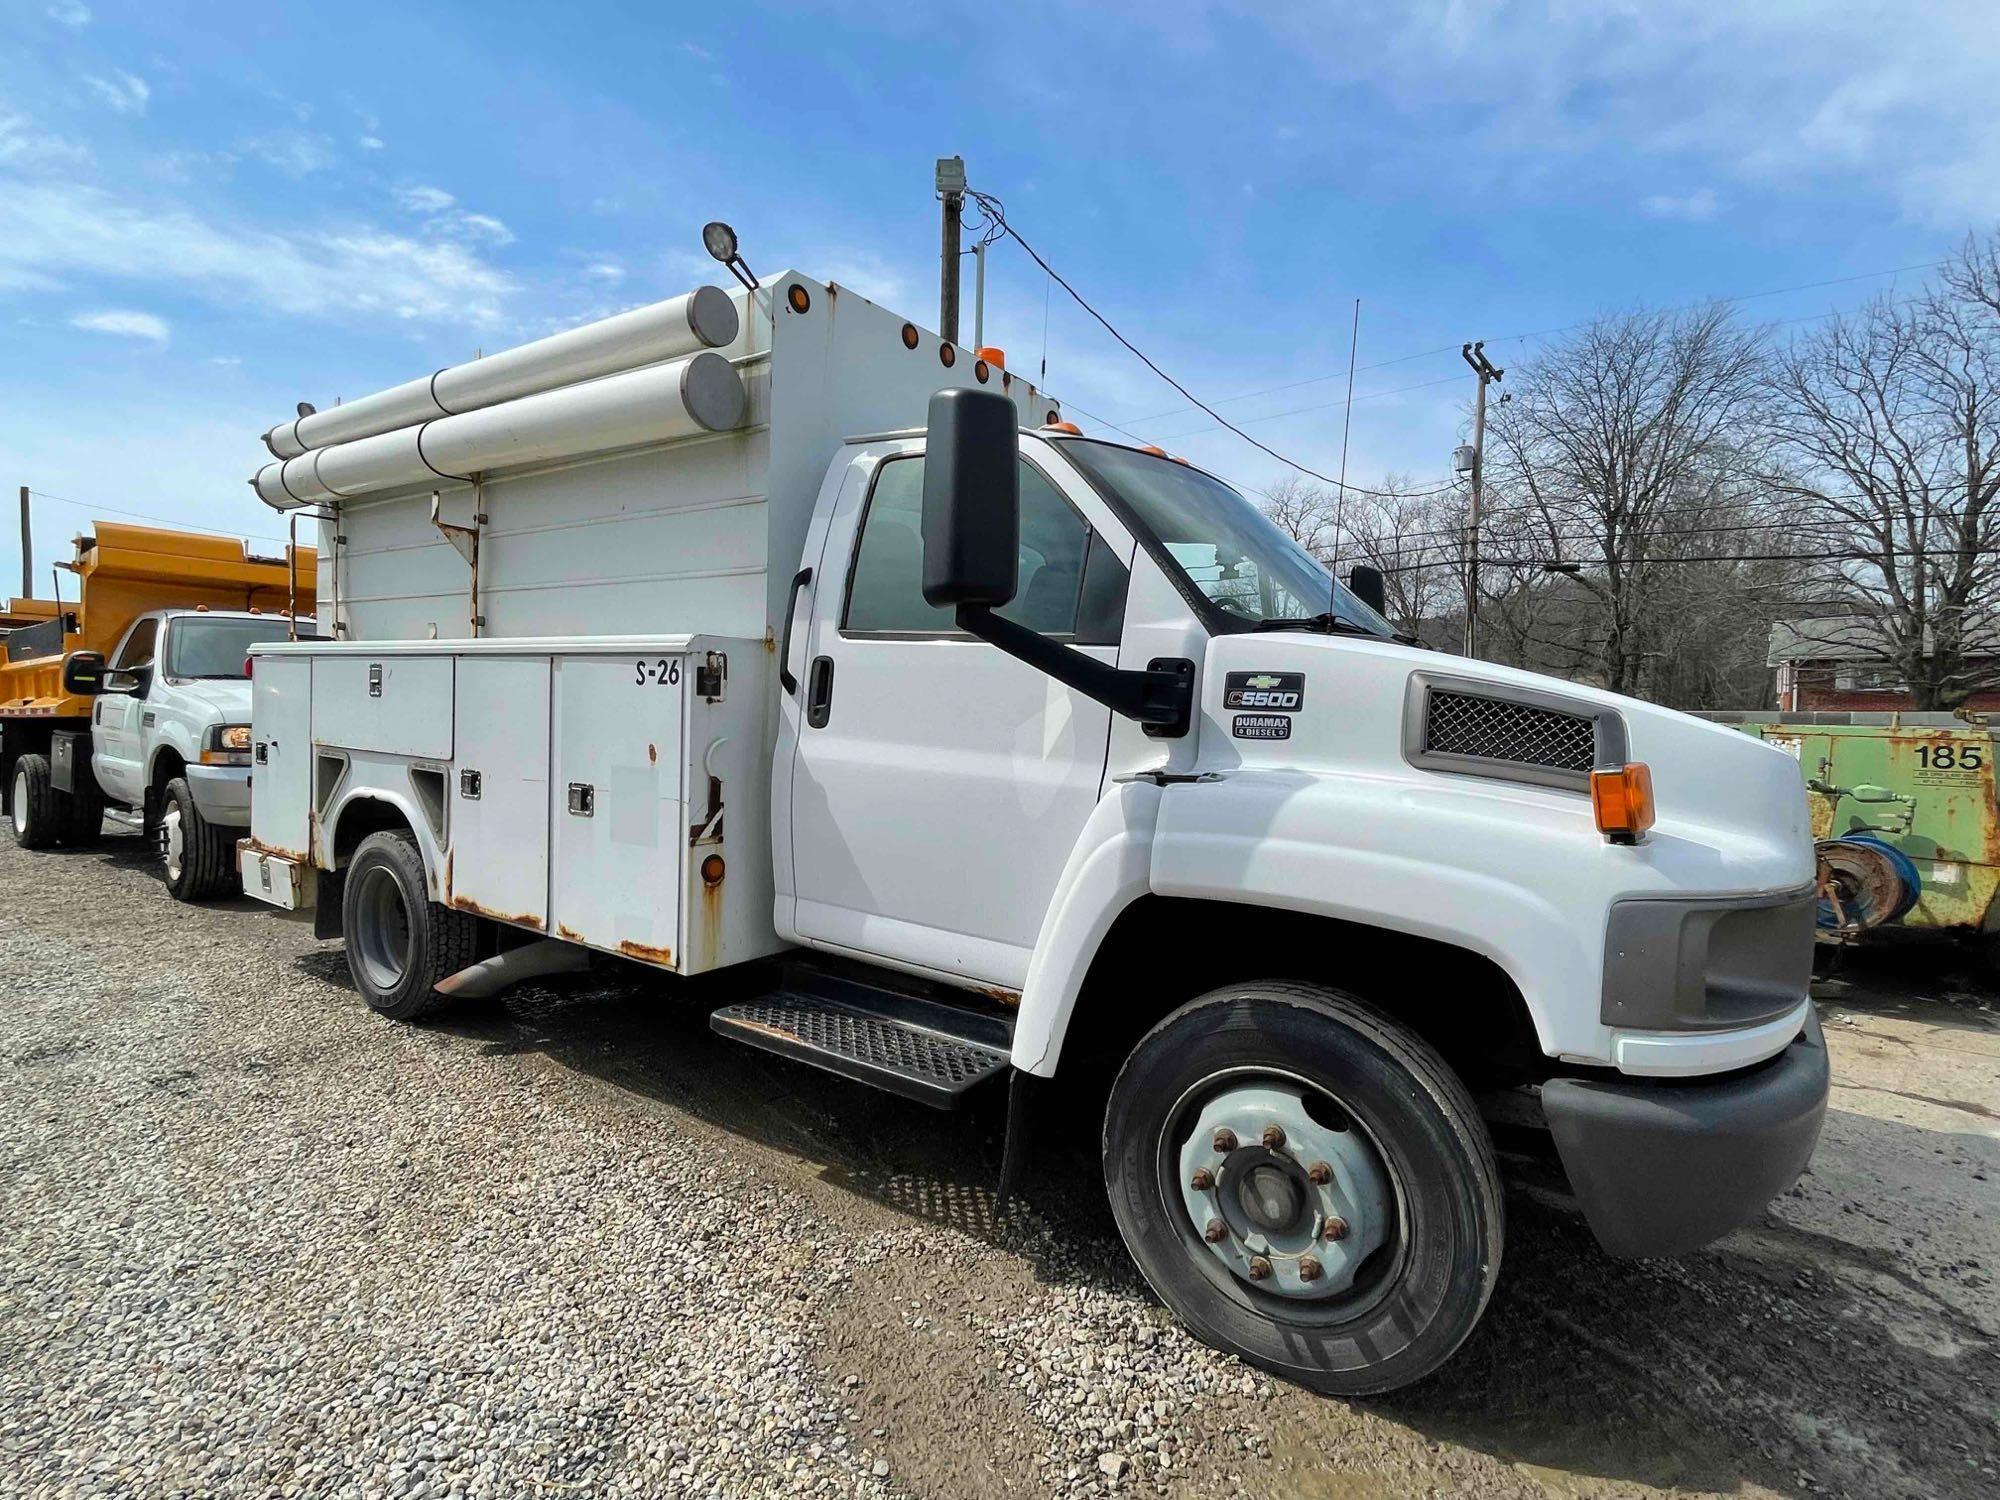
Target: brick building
point(1835, 665)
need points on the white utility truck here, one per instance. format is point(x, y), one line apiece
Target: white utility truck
point(766, 627)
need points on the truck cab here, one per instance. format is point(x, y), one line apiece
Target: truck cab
point(170, 736)
point(1003, 753)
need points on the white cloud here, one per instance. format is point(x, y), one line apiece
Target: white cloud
point(370, 143)
point(699, 53)
point(295, 153)
point(606, 271)
point(225, 359)
point(122, 92)
point(70, 13)
point(1697, 205)
point(424, 200)
point(483, 227)
point(60, 228)
point(131, 325)
point(23, 145)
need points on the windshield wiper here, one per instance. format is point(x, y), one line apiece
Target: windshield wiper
point(1326, 624)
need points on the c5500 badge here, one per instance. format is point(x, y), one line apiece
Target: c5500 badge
point(1269, 692)
point(1262, 726)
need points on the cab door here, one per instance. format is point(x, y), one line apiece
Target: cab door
point(117, 742)
point(939, 784)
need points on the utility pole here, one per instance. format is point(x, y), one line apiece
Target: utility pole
point(1475, 355)
point(951, 190)
point(27, 550)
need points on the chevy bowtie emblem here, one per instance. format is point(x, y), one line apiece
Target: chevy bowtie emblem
point(1263, 682)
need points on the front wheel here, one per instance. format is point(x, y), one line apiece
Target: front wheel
point(197, 857)
point(1307, 1185)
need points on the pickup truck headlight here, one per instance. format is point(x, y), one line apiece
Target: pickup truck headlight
point(232, 737)
point(226, 745)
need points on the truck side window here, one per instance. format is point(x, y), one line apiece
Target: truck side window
point(1071, 584)
point(138, 648)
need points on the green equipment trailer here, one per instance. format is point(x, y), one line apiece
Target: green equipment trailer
point(1921, 784)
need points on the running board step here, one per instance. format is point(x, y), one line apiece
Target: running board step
point(917, 1048)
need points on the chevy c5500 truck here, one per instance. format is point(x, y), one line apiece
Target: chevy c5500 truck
point(765, 628)
point(135, 698)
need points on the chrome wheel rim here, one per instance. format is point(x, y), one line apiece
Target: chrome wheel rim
point(1306, 1224)
point(173, 844)
point(19, 810)
point(382, 936)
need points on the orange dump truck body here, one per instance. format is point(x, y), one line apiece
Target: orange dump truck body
point(122, 572)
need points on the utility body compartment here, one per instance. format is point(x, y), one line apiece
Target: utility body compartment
point(608, 791)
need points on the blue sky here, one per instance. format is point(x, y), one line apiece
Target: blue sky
point(210, 211)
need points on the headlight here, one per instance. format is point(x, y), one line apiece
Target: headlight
point(233, 737)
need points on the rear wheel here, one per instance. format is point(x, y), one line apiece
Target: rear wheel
point(400, 943)
point(1307, 1185)
point(196, 856)
point(35, 808)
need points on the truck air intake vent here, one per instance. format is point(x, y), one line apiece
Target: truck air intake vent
point(1495, 729)
point(1514, 733)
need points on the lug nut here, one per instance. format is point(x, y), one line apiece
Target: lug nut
point(1260, 1268)
point(1336, 1227)
point(1274, 1137)
point(1319, 1174)
point(1215, 1231)
point(1309, 1269)
point(1202, 1180)
point(1225, 1139)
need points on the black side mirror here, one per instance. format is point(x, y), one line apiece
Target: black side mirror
point(972, 499)
point(83, 673)
point(1366, 584)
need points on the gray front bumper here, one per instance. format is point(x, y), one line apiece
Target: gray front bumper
point(221, 793)
point(1664, 1166)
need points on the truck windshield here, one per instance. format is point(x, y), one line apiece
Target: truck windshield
point(1233, 555)
point(216, 648)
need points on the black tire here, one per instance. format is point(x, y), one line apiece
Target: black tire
point(400, 943)
point(37, 814)
point(197, 858)
point(1415, 1299)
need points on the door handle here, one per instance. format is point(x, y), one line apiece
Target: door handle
point(819, 692)
point(799, 580)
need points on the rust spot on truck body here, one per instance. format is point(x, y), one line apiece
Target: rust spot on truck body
point(522, 919)
point(997, 992)
point(568, 934)
point(275, 851)
point(664, 957)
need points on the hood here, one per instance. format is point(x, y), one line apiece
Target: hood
point(227, 699)
point(1361, 710)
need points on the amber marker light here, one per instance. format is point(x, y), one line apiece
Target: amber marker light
point(1622, 801)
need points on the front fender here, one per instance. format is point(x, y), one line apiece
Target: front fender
point(1471, 871)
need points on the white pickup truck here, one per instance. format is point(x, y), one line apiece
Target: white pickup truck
point(767, 628)
point(170, 736)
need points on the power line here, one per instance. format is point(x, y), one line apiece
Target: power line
point(992, 206)
point(135, 515)
point(1508, 338)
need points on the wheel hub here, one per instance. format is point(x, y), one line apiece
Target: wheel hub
point(1296, 1214)
point(173, 845)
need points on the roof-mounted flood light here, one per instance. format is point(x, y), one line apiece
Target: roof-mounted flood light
point(720, 241)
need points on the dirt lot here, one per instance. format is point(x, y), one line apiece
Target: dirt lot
point(255, 1241)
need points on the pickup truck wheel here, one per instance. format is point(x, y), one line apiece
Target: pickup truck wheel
point(400, 943)
point(1307, 1185)
point(198, 857)
point(34, 807)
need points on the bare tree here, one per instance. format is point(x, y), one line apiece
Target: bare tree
point(1410, 536)
point(1887, 423)
point(1619, 442)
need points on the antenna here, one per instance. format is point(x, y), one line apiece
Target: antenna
point(1340, 491)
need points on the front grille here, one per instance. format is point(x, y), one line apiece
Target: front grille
point(1495, 729)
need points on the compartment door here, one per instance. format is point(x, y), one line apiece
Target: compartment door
point(499, 791)
point(281, 754)
point(616, 804)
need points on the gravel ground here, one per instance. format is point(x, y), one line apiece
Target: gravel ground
point(255, 1241)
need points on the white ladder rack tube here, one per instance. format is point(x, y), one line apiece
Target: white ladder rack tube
point(701, 393)
point(705, 318)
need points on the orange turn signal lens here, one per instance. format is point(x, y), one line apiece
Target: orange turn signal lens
point(1068, 427)
point(1622, 801)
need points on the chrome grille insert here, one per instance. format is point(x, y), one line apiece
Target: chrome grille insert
point(1496, 729)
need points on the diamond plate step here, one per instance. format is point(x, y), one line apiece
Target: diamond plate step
point(917, 1048)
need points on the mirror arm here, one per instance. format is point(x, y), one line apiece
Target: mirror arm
point(1163, 700)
